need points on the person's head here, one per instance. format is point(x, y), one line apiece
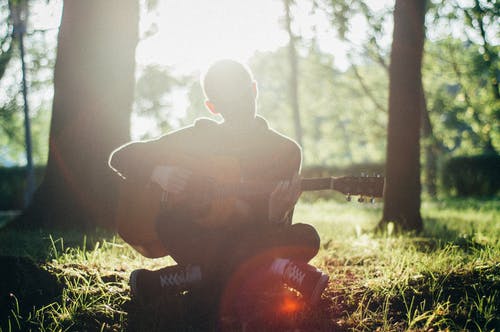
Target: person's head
point(230, 90)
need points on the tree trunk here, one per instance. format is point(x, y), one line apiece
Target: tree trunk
point(93, 93)
point(293, 82)
point(402, 188)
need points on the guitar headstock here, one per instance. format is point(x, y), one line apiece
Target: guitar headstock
point(362, 186)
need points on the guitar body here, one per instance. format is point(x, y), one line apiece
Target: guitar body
point(140, 206)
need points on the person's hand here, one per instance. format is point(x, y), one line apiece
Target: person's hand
point(283, 199)
point(172, 179)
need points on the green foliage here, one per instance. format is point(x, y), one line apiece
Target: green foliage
point(471, 175)
point(341, 125)
point(196, 108)
point(461, 74)
point(462, 109)
point(11, 129)
point(6, 39)
point(153, 98)
point(40, 59)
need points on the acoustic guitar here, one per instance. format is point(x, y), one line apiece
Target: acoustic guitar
point(209, 201)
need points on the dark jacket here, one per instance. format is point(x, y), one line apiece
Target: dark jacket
point(262, 154)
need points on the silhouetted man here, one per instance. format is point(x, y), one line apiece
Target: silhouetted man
point(256, 237)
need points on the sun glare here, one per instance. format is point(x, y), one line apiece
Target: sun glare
point(192, 34)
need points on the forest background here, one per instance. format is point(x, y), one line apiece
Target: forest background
point(342, 97)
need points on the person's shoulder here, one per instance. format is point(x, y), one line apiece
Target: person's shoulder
point(279, 139)
point(287, 142)
point(200, 125)
point(204, 123)
point(285, 153)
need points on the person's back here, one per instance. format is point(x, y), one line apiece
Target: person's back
point(242, 149)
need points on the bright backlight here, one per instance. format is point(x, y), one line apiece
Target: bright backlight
point(192, 33)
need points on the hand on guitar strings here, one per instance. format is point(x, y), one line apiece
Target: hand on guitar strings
point(283, 198)
point(172, 179)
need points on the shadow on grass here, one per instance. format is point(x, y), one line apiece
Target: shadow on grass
point(27, 283)
point(24, 285)
point(193, 311)
point(436, 236)
point(41, 245)
point(277, 309)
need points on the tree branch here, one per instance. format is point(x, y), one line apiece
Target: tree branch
point(366, 89)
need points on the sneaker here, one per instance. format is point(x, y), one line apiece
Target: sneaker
point(170, 280)
point(306, 279)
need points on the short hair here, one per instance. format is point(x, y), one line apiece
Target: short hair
point(228, 81)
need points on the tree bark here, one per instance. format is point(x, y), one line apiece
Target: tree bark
point(402, 187)
point(93, 93)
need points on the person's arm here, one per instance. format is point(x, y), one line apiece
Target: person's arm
point(283, 199)
point(286, 193)
point(135, 161)
point(143, 162)
point(170, 178)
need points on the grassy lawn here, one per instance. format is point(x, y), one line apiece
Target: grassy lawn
point(447, 278)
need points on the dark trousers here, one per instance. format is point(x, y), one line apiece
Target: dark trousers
point(225, 248)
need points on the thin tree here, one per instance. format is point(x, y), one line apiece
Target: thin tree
point(93, 92)
point(19, 11)
point(294, 73)
point(402, 189)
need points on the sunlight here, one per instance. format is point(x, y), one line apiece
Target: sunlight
point(192, 34)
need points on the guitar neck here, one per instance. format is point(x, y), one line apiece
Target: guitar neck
point(349, 185)
point(313, 184)
point(309, 184)
point(369, 186)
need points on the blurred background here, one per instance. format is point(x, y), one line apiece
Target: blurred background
point(334, 52)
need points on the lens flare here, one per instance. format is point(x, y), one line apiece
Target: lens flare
point(290, 305)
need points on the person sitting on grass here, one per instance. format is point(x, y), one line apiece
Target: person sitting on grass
point(259, 228)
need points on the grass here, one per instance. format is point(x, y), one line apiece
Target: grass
point(447, 278)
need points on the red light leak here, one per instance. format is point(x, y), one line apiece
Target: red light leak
point(290, 306)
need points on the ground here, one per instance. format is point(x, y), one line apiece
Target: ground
point(447, 278)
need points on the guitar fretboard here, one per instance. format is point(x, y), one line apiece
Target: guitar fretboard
point(316, 184)
point(369, 186)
